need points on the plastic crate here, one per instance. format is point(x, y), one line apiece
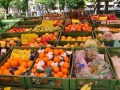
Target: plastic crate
point(49, 82)
point(111, 52)
point(22, 23)
point(98, 84)
point(106, 43)
point(14, 80)
point(2, 36)
point(31, 18)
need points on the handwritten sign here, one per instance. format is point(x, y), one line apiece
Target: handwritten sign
point(75, 21)
point(26, 38)
point(18, 53)
point(113, 22)
point(103, 22)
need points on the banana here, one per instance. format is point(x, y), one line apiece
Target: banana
point(87, 86)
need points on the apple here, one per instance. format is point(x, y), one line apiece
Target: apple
point(38, 39)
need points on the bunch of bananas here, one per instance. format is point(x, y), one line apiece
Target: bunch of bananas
point(87, 86)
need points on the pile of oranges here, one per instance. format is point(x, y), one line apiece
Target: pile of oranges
point(60, 70)
point(16, 66)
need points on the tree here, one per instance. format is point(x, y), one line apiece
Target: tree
point(5, 4)
point(47, 3)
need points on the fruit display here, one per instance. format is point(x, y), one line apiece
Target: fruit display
point(19, 30)
point(42, 40)
point(91, 63)
point(105, 28)
point(48, 26)
point(8, 42)
point(103, 17)
point(53, 16)
point(107, 36)
point(78, 27)
point(79, 38)
point(78, 14)
point(52, 62)
point(89, 42)
point(17, 65)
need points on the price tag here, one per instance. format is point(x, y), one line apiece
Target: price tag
point(18, 53)
point(103, 22)
point(3, 43)
point(113, 22)
point(26, 38)
point(7, 88)
point(75, 21)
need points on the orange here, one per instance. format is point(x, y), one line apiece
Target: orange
point(3, 68)
point(65, 76)
point(9, 60)
point(34, 70)
point(66, 65)
point(7, 64)
point(14, 64)
point(21, 68)
point(1, 71)
point(64, 71)
point(16, 59)
point(56, 75)
point(42, 55)
point(36, 74)
point(35, 65)
point(20, 61)
point(61, 50)
point(26, 60)
point(24, 64)
point(41, 74)
point(38, 59)
point(56, 69)
point(56, 51)
point(30, 63)
point(6, 71)
point(24, 70)
point(56, 59)
point(47, 49)
point(60, 74)
point(49, 63)
point(66, 59)
point(17, 72)
point(51, 50)
point(45, 59)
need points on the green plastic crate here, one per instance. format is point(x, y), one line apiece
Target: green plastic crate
point(30, 18)
point(117, 87)
point(98, 84)
point(22, 23)
point(111, 52)
point(14, 80)
point(48, 82)
point(107, 43)
point(2, 36)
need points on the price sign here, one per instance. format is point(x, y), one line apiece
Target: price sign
point(113, 22)
point(103, 22)
point(18, 53)
point(7, 88)
point(26, 38)
point(75, 21)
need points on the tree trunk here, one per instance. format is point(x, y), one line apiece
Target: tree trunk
point(26, 1)
point(106, 6)
point(46, 9)
point(6, 12)
point(98, 6)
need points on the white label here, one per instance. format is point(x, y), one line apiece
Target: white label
point(113, 22)
point(103, 22)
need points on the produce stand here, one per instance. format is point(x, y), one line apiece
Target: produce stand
point(61, 39)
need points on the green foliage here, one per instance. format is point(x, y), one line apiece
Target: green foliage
point(75, 3)
point(5, 3)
